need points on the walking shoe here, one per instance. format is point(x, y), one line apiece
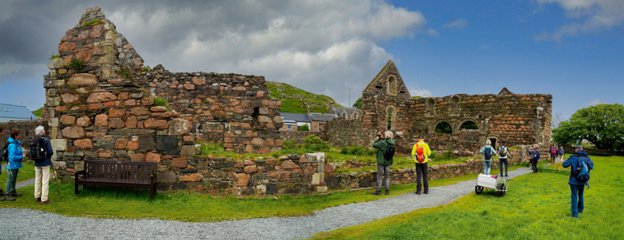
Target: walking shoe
point(417, 193)
point(45, 202)
point(426, 192)
point(377, 192)
point(9, 199)
point(387, 192)
point(14, 194)
point(38, 199)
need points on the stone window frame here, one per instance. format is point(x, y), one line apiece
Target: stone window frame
point(391, 121)
point(392, 85)
point(435, 126)
point(459, 128)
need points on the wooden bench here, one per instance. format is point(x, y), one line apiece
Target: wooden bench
point(113, 173)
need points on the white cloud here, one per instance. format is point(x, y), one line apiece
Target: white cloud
point(456, 24)
point(420, 92)
point(321, 46)
point(588, 16)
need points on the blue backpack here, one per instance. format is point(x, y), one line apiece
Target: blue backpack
point(582, 171)
point(487, 153)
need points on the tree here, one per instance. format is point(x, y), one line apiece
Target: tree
point(602, 124)
point(358, 103)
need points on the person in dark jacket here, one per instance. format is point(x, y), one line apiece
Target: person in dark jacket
point(535, 156)
point(577, 188)
point(14, 164)
point(383, 165)
point(42, 168)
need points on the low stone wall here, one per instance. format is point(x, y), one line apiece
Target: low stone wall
point(286, 174)
point(297, 136)
point(335, 180)
point(26, 127)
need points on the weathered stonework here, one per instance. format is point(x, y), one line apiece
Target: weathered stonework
point(516, 119)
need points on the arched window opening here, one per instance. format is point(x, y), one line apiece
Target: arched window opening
point(392, 85)
point(391, 114)
point(469, 125)
point(443, 127)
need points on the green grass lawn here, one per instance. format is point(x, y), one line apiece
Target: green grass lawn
point(26, 172)
point(195, 207)
point(537, 206)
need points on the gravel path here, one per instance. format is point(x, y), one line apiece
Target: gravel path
point(29, 224)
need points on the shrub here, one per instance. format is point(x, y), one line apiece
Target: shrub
point(315, 143)
point(160, 102)
point(76, 64)
point(211, 148)
point(290, 145)
point(303, 128)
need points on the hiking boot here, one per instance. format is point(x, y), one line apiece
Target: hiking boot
point(38, 199)
point(417, 193)
point(14, 194)
point(377, 192)
point(426, 192)
point(387, 192)
point(45, 202)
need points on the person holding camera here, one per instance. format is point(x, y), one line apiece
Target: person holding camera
point(385, 153)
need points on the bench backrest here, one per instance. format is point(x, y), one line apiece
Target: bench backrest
point(120, 170)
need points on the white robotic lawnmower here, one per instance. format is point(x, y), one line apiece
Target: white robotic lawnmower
point(499, 184)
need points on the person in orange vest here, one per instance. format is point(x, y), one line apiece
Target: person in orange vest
point(420, 155)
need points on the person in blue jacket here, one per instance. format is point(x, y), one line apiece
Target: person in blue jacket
point(576, 187)
point(15, 162)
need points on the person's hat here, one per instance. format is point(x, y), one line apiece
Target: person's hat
point(420, 137)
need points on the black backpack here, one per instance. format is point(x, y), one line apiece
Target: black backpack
point(5, 152)
point(37, 149)
point(389, 153)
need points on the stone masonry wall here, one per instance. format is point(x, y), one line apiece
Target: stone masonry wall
point(231, 109)
point(26, 127)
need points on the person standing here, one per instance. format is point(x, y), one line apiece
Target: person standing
point(577, 185)
point(15, 156)
point(535, 156)
point(560, 153)
point(553, 153)
point(488, 152)
point(385, 152)
point(42, 166)
point(503, 156)
point(420, 155)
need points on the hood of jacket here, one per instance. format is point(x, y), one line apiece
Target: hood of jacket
point(581, 153)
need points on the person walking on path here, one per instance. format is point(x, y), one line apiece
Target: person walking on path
point(503, 156)
point(577, 184)
point(534, 154)
point(385, 152)
point(488, 152)
point(42, 167)
point(15, 156)
point(553, 153)
point(420, 155)
point(560, 153)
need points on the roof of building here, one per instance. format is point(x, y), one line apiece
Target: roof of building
point(298, 117)
point(322, 117)
point(10, 112)
point(348, 110)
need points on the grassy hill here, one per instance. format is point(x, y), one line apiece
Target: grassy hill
point(294, 100)
point(38, 113)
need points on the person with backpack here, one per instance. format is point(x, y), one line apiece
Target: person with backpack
point(40, 151)
point(385, 153)
point(560, 154)
point(553, 153)
point(535, 156)
point(420, 155)
point(503, 156)
point(14, 156)
point(488, 152)
point(580, 165)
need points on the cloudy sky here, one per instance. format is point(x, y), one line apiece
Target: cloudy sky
point(572, 49)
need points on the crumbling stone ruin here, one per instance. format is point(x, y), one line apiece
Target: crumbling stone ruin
point(459, 123)
point(101, 102)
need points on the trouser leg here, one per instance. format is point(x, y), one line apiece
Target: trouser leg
point(12, 178)
point(379, 176)
point(425, 171)
point(387, 177)
point(38, 182)
point(45, 184)
point(419, 175)
point(581, 200)
point(574, 200)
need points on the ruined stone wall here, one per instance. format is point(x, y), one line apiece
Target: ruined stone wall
point(231, 109)
point(27, 129)
point(342, 133)
point(298, 136)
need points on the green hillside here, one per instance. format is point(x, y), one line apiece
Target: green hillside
point(294, 100)
point(38, 113)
